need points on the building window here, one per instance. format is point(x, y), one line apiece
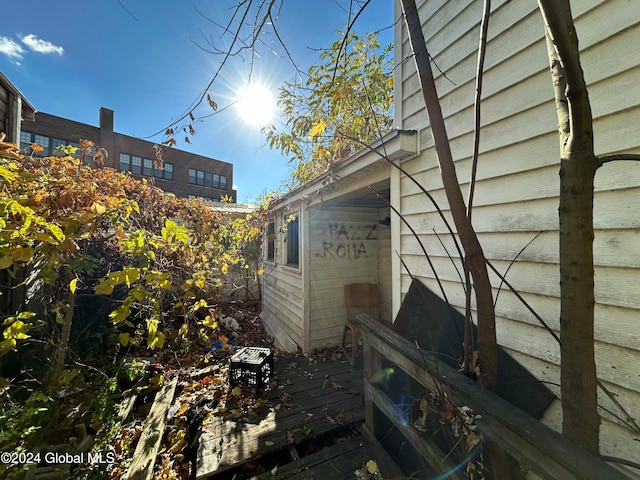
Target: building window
point(207, 179)
point(41, 140)
point(58, 146)
point(168, 171)
point(136, 165)
point(271, 241)
point(125, 162)
point(293, 242)
point(148, 168)
point(144, 166)
point(25, 139)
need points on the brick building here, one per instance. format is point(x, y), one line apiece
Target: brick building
point(184, 174)
point(14, 108)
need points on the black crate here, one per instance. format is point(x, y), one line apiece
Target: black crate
point(252, 366)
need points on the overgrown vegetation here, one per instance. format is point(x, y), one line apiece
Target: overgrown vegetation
point(105, 264)
point(348, 94)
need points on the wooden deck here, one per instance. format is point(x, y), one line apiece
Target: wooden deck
point(308, 425)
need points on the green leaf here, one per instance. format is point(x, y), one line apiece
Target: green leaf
point(104, 288)
point(124, 339)
point(131, 275)
point(7, 345)
point(5, 262)
point(56, 231)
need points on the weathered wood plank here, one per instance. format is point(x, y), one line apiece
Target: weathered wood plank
point(271, 435)
point(543, 450)
point(312, 399)
point(434, 456)
point(351, 447)
point(144, 456)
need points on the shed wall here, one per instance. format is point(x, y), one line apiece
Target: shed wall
point(343, 249)
point(282, 291)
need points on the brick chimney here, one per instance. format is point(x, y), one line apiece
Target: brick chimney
point(106, 135)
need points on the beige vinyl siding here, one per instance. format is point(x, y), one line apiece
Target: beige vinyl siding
point(386, 284)
point(343, 248)
point(282, 292)
point(516, 199)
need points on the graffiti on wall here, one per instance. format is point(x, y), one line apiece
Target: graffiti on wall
point(346, 241)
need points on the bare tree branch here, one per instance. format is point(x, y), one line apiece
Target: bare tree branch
point(615, 157)
point(482, 49)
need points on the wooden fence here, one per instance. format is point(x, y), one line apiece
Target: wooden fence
point(536, 447)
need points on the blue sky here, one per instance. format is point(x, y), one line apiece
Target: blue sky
point(70, 58)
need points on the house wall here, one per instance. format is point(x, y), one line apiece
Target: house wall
point(516, 199)
point(385, 255)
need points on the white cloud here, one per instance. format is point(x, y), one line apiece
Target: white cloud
point(40, 46)
point(11, 49)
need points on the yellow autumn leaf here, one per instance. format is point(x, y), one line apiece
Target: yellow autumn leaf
point(124, 339)
point(73, 284)
point(209, 321)
point(372, 467)
point(155, 340)
point(97, 208)
point(318, 129)
point(184, 328)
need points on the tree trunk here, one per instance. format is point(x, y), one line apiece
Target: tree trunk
point(60, 353)
point(474, 256)
point(578, 164)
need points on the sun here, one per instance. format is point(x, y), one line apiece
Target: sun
point(256, 105)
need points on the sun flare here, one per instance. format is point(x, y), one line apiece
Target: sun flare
point(256, 105)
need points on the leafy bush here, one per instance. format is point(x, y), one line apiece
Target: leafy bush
point(80, 232)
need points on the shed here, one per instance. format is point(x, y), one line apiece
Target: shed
point(332, 231)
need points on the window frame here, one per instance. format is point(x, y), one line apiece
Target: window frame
point(136, 165)
point(292, 240)
point(271, 242)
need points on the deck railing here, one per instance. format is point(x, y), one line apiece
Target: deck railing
point(534, 446)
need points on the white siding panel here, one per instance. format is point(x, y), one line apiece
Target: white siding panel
point(344, 248)
point(516, 194)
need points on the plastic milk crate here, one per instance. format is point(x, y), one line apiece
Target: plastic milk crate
point(252, 366)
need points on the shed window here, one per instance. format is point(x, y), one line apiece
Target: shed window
point(293, 242)
point(271, 241)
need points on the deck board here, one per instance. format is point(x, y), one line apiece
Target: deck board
point(351, 447)
point(310, 400)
